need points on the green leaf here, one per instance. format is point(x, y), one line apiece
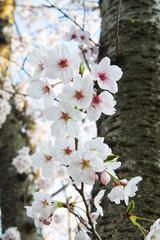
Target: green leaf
point(111, 157)
point(130, 207)
point(132, 20)
point(81, 68)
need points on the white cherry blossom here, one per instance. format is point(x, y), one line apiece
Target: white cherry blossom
point(11, 233)
point(83, 37)
point(64, 149)
point(65, 120)
point(98, 145)
point(62, 64)
point(42, 204)
point(44, 158)
point(35, 216)
point(104, 102)
point(83, 167)
point(154, 233)
point(107, 75)
point(117, 193)
point(38, 58)
point(97, 201)
point(131, 188)
point(80, 94)
point(73, 34)
point(41, 89)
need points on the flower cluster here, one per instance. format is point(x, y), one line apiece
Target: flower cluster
point(22, 162)
point(84, 160)
point(5, 109)
point(11, 233)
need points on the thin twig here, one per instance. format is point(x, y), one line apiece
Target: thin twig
point(61, 189)
point(85, 59)
point(68, 17)
point(117, 224)
point(117, 26)
point(84, 15)
point(21, 67)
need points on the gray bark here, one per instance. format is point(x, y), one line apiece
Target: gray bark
point(133, 132)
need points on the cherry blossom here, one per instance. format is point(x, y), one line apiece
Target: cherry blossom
point(36, 216)
point(104, 102)
point(44, 158)
point(22, 163)
point(131, 188)
point(80, 94)
point(98, 145)
point(38, 58)
point(65, 120)
point(42, 204)
point(73, 34)
point(107, 75)
point(83, 37)
point(41, 89)
point(97, 201)
point(83, 167)
point(62, 64)
point(154, 233)
point(11, 233)
point(64, 149)
point(117, 194)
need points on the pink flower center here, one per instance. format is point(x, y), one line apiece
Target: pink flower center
point(67, 151)
point(82, 37)
point(96, 100)
point(102, 76)
point(65, 116)
point(85, 164)
point(46, 89)
point(48, 158)
point(78, 95)
point(73, 36)
point(63, 63)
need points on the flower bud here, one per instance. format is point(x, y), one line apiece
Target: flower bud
point(105, 178)
point(96, 177)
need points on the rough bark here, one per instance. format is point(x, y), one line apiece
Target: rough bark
point(14, 188)
point(133, 132)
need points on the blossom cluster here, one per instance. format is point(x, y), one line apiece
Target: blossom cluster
point(22, 162)
point(84, 160)
point(11, 233)
point(5, 109)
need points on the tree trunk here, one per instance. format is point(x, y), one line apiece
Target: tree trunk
point(13, 187)
point(133, 132)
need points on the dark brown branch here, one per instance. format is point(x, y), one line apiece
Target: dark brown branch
point(61, 189)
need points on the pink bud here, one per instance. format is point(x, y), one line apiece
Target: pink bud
point(105, 178)
point(146, 232)
point(96, 177)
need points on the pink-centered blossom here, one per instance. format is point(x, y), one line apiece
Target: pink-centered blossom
point(41, 89)
point(38, 58)
point(107, 75)
point(83, 167)
point(65, 119)
point(11, 233)
point(42, 204)
point(44, 158)
point(80, 94)
point(62, 64)
point(65, 147)
point(102, 103)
